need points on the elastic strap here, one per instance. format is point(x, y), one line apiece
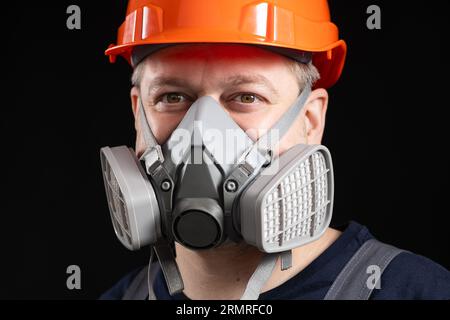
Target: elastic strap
point(141, 286)
point(285, 122)
point(169, 268)
point(260, 277)
point(286, 259)
point(266, 143)
point(153, 152)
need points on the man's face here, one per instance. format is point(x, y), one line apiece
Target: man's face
point(253, 85)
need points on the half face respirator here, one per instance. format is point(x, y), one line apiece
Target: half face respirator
point(202, 192)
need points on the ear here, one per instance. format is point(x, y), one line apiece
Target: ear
point(315, 112)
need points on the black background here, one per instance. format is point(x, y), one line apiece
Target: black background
point(62, 100)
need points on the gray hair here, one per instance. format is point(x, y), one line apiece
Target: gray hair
point(306, 73)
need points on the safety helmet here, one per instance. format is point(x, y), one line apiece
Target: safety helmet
point(295, 25)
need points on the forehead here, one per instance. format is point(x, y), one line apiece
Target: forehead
point(199, 65)
point(217, 60)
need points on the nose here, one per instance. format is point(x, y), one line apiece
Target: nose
point(208, 111)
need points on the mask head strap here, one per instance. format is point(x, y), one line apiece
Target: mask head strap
point(261, 152)
point(284, 123)
point(153, 154)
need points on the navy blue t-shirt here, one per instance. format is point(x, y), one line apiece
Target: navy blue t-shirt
point(408, 276)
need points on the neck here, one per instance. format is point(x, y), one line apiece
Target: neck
point(223, 273)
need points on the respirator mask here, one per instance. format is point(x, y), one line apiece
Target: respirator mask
point(202, 190)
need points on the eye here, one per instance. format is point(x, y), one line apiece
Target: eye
point(246, 98)
point(173, 97)
point(171, 102)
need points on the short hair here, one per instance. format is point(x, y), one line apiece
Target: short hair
point(306, 73)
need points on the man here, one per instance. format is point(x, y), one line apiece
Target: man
point(256, 81)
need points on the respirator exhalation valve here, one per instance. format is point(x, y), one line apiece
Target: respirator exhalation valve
point(198, 223)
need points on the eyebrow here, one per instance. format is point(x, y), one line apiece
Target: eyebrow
point(166, 81)
point(232, 81)
point(257, 79)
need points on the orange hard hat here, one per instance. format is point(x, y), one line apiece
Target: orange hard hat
point(294, 25)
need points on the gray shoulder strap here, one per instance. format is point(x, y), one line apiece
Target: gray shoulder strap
point(352, 283)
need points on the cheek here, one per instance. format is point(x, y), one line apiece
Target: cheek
point(140, 144)
point(256, 124)
point(164, 124)
point(294, 136)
